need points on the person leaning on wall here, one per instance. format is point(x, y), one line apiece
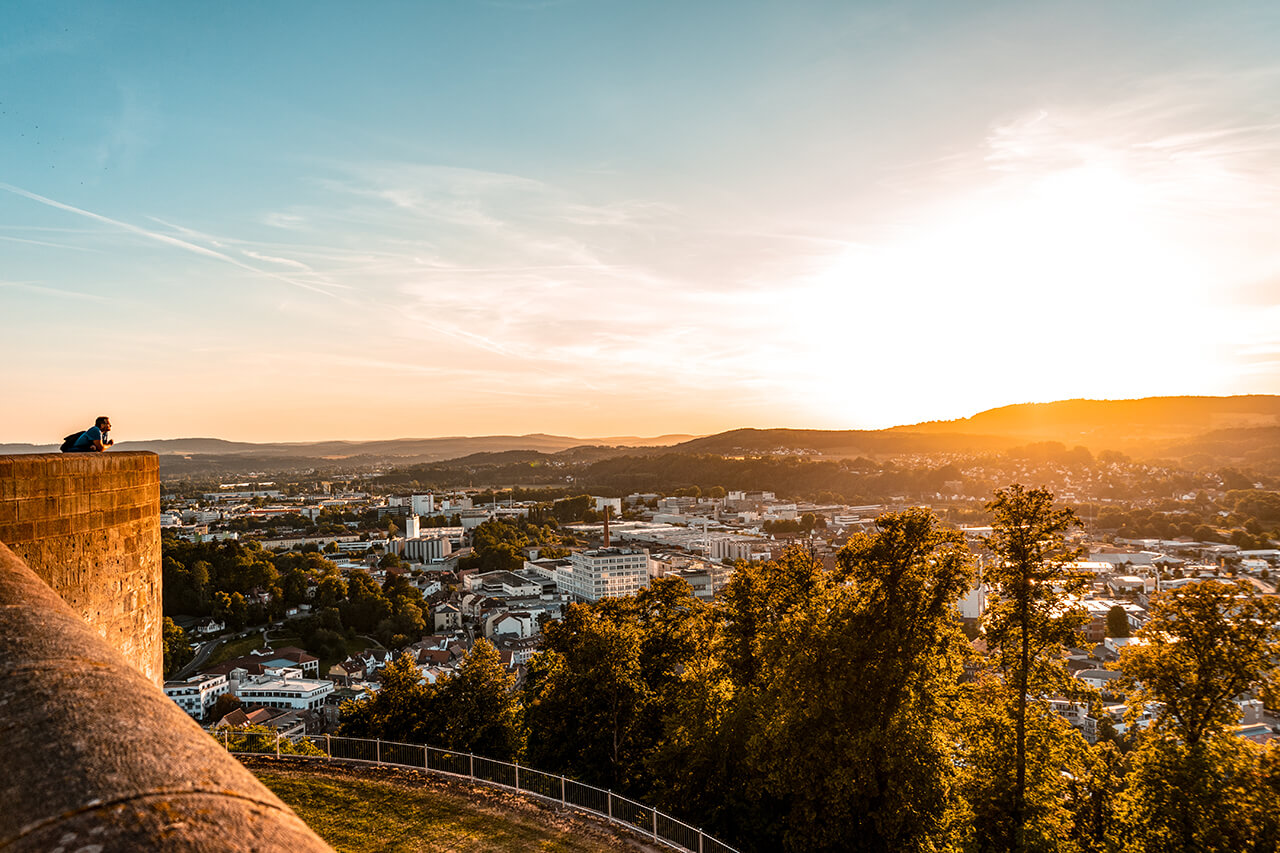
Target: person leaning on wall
point(92, 440)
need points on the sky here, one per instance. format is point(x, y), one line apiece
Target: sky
point(300, 221)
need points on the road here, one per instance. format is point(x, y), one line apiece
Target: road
point(202, 655)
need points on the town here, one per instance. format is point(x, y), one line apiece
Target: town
point(326, 582)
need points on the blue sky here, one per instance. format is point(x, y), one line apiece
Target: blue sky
point(294, 221)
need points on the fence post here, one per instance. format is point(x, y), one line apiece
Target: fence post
point(699, 841)
point(471, 765)
point(226, 743)
point(277, 743)
point(426, 757)
point(517, 775)
point(655, 823)
point(378, 747)
point(610, 805)
point(562, 792)
point(328, 747)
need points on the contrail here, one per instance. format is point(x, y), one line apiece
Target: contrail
point(162, 238)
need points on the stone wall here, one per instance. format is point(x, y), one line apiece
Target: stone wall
point(97, 758)
point(88, 524)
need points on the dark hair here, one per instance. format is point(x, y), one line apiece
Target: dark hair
point(100, 419)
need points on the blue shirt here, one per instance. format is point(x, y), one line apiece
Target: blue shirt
point(88, 437)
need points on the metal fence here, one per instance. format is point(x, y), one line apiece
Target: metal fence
point(548, 787)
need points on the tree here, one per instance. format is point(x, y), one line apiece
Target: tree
point(849, 772)
point(177, 652)
point(399, 711)
point(1205, 644)
point(584, 695)
point(1028, 621)
point(1056, 758)
point(225, 704)
point(1117, 622)
point(1218, 796)
point(1195, 786)
point(479, 708)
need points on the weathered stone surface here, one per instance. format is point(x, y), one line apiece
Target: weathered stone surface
point(99, 758)
point(89, 525)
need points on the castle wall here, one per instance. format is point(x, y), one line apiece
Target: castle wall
point(88, 524)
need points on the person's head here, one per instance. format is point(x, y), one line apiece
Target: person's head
point(103, 423)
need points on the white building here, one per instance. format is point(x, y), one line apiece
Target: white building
point(422, 505)
point(285, 688)
point(197, 694)
point(427, 549)
point(604, 573)
point(614, 503)
point(503, 584)
point(974, 602)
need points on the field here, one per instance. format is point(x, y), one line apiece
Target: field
point(393, 811)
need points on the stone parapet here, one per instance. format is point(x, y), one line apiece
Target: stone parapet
point(99, 759)
point(88, 524)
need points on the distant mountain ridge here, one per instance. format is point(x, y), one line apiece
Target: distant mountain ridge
point(419, 449)
point(1244, 428)
point(1198, 430)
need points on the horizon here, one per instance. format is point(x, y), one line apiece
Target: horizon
point(681, 435)
point(307, 222)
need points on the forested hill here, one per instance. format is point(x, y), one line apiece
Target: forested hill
point(1241, 427)
point(1088, 422)
point(846, 443)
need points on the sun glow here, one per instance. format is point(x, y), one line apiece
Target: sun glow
point(1042, 263)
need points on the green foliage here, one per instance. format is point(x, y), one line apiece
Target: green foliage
point(1216, 796)
point(1117, 622)
point(585, 697)
point(500, 543)
point(225, 704)
point(475, 710)
point(1205, 644)
point(478, 710)
point(882, 625)
point(399, 711)
point(177, 652)
point(264, 740)
point(997, 816)
point(193, 574)
point(570, 510)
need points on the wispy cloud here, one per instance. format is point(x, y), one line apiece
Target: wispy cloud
point(166, 239)
point(46, 243)
point(44, 290)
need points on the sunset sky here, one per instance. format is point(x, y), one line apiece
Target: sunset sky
point(303, 221)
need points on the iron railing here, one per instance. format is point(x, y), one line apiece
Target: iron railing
point(549, 787)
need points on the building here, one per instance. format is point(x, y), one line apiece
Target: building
point(504, 584)
point(614, 504)
point(428, 549)
point(699, 580)
point(446, 617)
point(197, 694)
point(285, 688)
point(604, 573)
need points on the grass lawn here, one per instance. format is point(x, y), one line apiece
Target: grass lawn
point(396, 811)
point(279, 639)
point(235, 648)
